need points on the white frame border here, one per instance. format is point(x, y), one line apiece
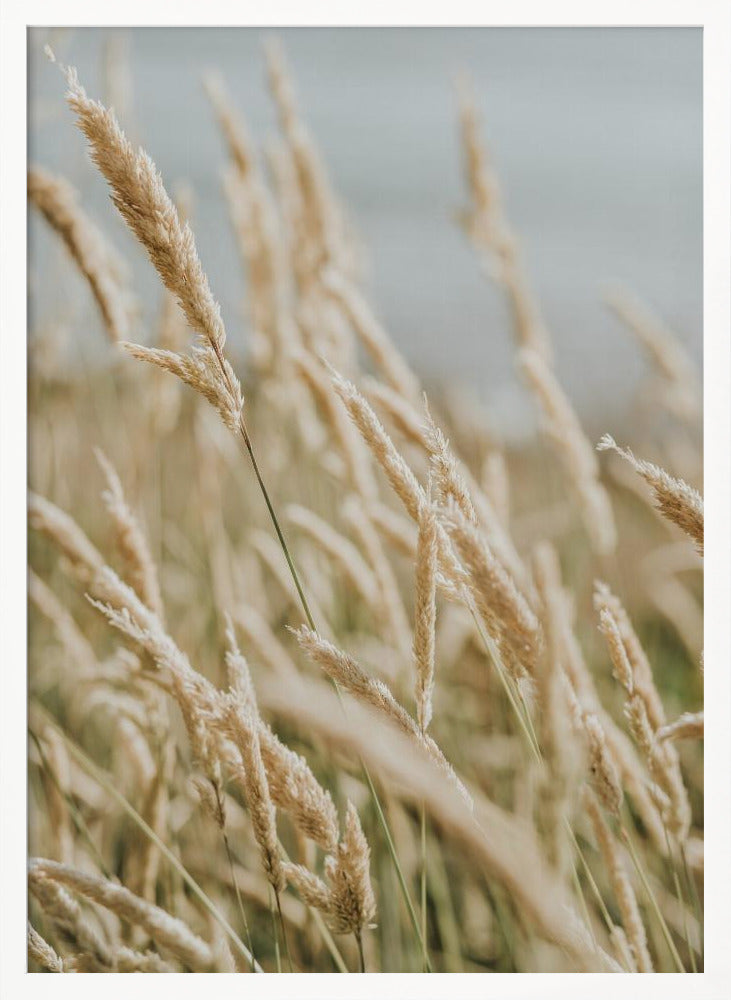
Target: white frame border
point(714, 16)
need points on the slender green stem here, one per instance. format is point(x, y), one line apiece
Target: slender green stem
point(424, 930)
point(275, 931)
point(329, 942)
point(503, 915)
point(529, 720)
point(402, 882)
point(681, 898)
point(584, 907)
point(361, 956)
point(391, 849)
point(322, 927)
point(493, 653)
point(653, 901)
point(522, 712)
point(78, 820)
point(277, 527)
point(239, 900)
point(693, 893)
point(108, 785)
point(440, 890)
point(284, 930)
point(594, 887)
point(311, 623)
point(592, 882)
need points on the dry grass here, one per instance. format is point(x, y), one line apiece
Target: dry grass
point(341, 701)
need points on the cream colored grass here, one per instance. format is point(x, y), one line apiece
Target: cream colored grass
point(97, 261)
point(169, 932)
point(675, 499)
point(499, 842)
point(178, 728)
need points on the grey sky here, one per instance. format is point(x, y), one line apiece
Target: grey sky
point(597, 135)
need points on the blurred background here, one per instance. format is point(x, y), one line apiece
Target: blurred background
point(596, 135)
point(596, 138)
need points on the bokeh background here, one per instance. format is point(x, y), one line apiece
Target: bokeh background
point(596, 137)
point(596, 134)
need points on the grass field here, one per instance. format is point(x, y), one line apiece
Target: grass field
point(323, 677)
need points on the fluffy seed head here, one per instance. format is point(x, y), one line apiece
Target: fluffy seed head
point(674, 498)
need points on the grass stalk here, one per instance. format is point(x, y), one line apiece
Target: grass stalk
point(322, 927)
point(529, 722)
point(107, 784)
point(234, 880)
point(450, 932)
point(399, 871)
point(528, 731)
point(423, 874)
point(76, 817)
point(275, 931)
point(584, 907)
point(681, 899)
point(283, 928)
point(275, 522)
point(311, 622)
point(361, 956)
point(693, 894)
point(327, 937)
point(590, 878)
point(653, 901)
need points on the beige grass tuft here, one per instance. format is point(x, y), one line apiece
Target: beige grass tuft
point(141, 199)
point(505, 612)
point(662, 761)
point(425, 615)
point(131, 539)
point(675, 499)
point(98, 262)
point(621, 885)
point(688, 726)
point(40, 951)
point(168, 931)
point(346, 673)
